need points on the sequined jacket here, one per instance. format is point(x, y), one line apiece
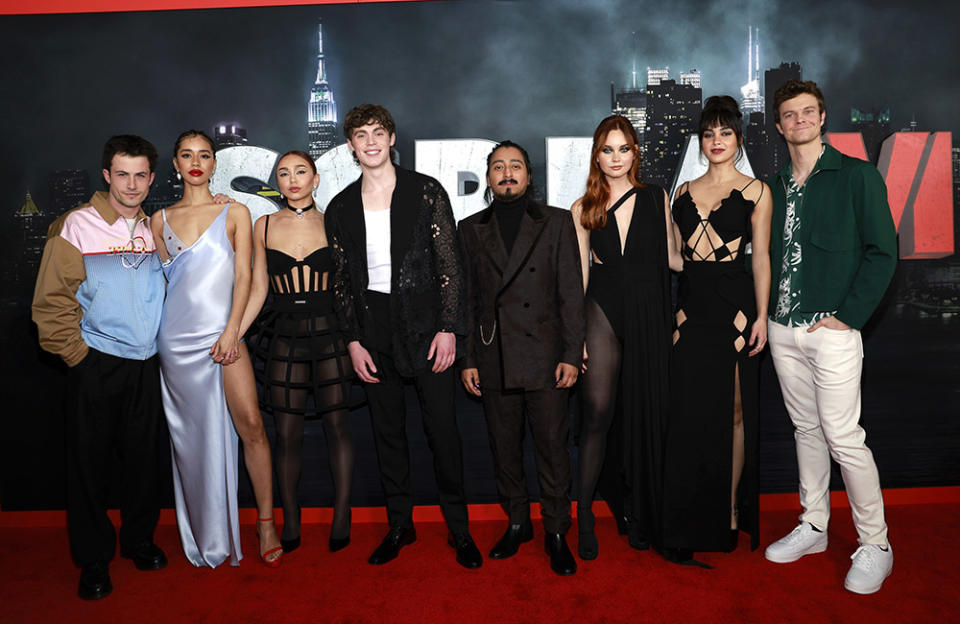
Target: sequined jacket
point(427, 279)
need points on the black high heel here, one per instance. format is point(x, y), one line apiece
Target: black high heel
point(733, 539)
point(734, 536)
point(587, 546)
point(636, 537)
point(339, 543)
point(290, 545)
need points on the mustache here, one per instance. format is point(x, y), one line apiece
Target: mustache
point(506, 182)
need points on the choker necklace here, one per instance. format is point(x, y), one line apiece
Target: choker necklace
point(299, 211)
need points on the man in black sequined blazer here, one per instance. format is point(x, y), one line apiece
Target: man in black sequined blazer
point(398, 288)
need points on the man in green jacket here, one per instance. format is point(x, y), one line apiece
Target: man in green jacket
point(833, 253)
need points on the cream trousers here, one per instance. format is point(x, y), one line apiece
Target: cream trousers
point(819, 376)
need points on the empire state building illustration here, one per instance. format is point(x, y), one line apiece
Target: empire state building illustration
point(321, 109)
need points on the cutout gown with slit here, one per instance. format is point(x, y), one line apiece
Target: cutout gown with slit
point(716, 308)
point(628, 344)
point(203, 441)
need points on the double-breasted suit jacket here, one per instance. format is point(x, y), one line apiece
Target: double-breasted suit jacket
point(525, 310)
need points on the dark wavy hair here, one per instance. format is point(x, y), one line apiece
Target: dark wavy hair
point(722, 111)
point(129, 145)
point(367, 113)
point(189, 134)
point(791, 89)
point(488, 194)
point(593, 204)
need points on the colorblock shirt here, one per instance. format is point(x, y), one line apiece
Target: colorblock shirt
point(100, 285)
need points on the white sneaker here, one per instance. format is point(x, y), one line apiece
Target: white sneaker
point(803, 540)
point(871, 566)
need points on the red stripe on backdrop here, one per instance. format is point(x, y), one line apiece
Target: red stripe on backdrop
point(480, 513)
point(23, 7)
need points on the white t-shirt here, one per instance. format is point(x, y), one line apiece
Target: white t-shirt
point(378, 249)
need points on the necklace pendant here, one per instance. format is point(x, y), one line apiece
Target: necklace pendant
point(299, 213)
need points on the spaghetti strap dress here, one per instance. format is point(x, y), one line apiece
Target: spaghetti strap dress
point(298, 343)
point(716, 308)
point(632, 289)
point(202, 437)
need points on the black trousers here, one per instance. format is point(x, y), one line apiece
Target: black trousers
point(388, 414)
point(113, 409)
point(549, 419)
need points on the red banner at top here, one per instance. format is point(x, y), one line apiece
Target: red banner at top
point(34, 7)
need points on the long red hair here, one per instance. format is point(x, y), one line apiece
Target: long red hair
point(593, 204)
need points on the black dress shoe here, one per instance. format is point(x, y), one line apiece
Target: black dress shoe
point(509, 544)
point(290, 545)
point(561, 559)
point(95, 581)
point(468, 555)
point(390, 547)
point(146, 556)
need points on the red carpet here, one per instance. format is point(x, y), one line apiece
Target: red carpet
point(38, 581)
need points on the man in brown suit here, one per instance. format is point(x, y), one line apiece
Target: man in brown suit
point(524, 343)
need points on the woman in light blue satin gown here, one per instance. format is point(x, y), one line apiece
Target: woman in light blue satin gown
point(208, 389)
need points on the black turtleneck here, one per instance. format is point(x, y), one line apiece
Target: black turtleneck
point(509, 215)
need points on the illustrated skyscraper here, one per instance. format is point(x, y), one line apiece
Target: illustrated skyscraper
point(321, 109)
point(752, 99)
point(691, 78)
point(655, 75)
point(68, 189)
point(631, 102)
point(874, 127)
point(227, 134)
point(672, 113)
point(777, 154)
point(26, 239)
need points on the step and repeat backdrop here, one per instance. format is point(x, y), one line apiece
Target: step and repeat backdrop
point(458, 77)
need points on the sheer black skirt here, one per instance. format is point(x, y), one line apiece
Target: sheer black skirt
point(300, 354)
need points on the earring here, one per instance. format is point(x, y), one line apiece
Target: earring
point(178, 176)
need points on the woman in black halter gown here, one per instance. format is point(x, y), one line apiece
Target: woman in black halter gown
point(710, 458)
point(627, 246)
point(301, 351)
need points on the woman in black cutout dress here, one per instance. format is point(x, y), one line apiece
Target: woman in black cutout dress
point(628, 333)
point(301, 351)
point(710, 467)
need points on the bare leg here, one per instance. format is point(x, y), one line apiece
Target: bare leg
point(738, 452)
point(240, 390)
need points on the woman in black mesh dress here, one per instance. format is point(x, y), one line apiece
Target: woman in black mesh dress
point(302, 353)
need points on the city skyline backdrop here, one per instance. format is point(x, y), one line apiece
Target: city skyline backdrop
point(491, 69)
point(255, 67)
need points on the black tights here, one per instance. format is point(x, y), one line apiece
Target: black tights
point(598, 388)
point(336, 429)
